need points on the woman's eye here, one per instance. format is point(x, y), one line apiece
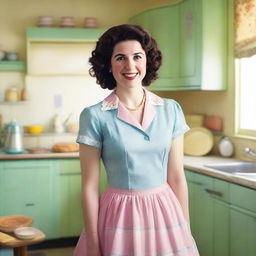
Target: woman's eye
point(136, 57)
point(120, 58)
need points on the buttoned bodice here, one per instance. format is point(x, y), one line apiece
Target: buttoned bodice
point(135, 156)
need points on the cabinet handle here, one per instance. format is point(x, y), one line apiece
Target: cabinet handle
point(197, 183)
point(213, 192)
point(29, 204)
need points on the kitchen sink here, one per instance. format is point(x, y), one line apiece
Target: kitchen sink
point(239, 167)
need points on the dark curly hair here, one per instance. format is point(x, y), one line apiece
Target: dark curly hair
point(101, 56)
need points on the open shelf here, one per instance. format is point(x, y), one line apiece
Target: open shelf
point(6, 65)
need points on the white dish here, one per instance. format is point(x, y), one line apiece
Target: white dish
point(26, 233)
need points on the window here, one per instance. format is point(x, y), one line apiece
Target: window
point(246, 96)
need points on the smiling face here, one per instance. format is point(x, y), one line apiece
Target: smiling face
point(128, 64)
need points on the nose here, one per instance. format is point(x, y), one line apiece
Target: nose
point(130, 64)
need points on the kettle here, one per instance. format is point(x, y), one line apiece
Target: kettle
point(13, 138)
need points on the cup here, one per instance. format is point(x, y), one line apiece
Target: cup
point(12, 56)
point(45, 21)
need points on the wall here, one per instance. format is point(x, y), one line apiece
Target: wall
point(75, 92)
point(17, 15)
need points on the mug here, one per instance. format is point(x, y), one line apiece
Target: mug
point(12, 56)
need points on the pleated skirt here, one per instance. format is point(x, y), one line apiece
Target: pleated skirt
point(141, 223)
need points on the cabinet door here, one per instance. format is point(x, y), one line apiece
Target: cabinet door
point(189, 45)
point(221, 228)
point(174, 28)
point(203, 210)
point(164, 27)
point(28, 189)
point(191, 199)
point(70, 212)
point(192, 36)
point(242, 232)
point(221, 217)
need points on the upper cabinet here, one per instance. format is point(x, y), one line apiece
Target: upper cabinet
point(60, 51)
point(192, 36)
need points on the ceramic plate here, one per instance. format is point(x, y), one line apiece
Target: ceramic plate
point(26, 232)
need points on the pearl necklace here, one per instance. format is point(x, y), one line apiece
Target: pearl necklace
point(137, 107)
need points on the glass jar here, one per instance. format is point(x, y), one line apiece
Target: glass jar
point(12, 94)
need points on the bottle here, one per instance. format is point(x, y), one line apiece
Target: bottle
point(57, 124)
point(24, 94)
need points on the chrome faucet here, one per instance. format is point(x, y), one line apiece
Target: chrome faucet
point(250, 152)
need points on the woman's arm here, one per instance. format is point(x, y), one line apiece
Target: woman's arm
point(176, 176)
point(90, 168)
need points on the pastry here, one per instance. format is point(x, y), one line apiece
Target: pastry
point(65, 147)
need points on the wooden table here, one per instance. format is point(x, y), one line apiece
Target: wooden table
point(19, 245)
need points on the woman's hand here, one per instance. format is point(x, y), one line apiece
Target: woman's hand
point(92, 245)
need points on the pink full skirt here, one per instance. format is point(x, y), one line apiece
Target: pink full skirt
point(141, 223)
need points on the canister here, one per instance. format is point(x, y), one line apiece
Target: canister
point(12, 94)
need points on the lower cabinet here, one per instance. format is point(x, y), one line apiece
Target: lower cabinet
point(242, 221)
point(69, 183)
point(243, 232)
point(201, 210)
point(223, 216)
point(28, 188)
point(46, 190)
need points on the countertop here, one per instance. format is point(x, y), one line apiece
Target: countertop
point(47, 155)
point(196, 164)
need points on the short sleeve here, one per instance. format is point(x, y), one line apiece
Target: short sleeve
point(180, 125)
point(89, 129)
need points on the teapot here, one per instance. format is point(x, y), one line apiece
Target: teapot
point(13, 138)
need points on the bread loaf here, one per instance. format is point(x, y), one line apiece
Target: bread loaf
point(66, 147)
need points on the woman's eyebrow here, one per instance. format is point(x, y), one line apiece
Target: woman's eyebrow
point(119, 54)
point(122, 55)
point(136, 53)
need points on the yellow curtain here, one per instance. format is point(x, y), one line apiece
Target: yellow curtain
point(245, 28)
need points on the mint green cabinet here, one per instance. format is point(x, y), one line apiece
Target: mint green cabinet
point(69, 203)
point(242, 232)
point(193, 44)
point(221, 213)
point(202, 212)
point(70, 218)
point(223, 216)
point(209, 213)
point(46, 190)
point(242, 221)
point(28, 188)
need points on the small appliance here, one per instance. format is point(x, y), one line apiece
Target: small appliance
point(13, 138)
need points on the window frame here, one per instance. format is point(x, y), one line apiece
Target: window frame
point(239, 132)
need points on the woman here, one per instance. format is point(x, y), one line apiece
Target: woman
point(139, 137)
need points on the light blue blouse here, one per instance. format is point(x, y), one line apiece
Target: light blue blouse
point(135, 156)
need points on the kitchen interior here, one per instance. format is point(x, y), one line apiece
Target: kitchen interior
point(44, 85)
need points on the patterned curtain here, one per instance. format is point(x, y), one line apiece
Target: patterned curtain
point(245, 28)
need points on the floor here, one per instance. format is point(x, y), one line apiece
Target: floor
point(64, 251)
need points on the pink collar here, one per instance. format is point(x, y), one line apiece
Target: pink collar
point(112, 102)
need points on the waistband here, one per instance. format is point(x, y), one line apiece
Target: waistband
point(138, 192)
